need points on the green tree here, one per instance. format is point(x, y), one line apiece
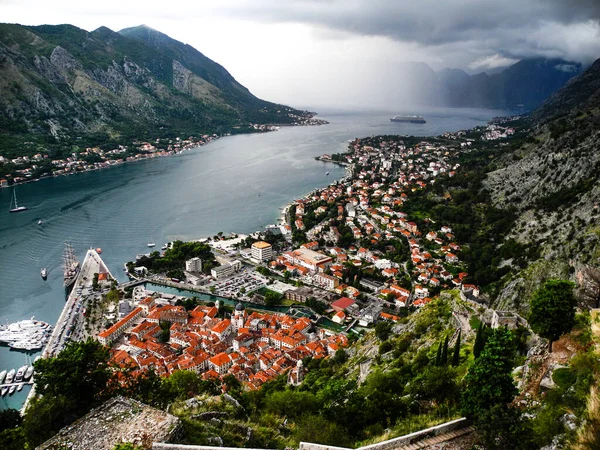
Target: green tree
point(165, 331)
point(438, 356)
point(273, 298)
point(183, 384)
point(444, 357)
point(383, 330)
point(45, 416)
point(292, 403)
point(112, 296)
point(504, 428)
point(553, 310)
point(435, 383)
point(126, 446)
point(317, 429)
point(9, 418)
point(79, 372)
point(456, 352)
point(489, 381)
point(479, 340)
point(340, 357)
point(70, 384)
point(13, 439)
point(145, 387)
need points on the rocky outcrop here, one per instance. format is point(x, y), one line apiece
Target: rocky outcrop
point(553, 182)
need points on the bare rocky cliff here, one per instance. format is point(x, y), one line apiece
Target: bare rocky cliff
point(553, 180)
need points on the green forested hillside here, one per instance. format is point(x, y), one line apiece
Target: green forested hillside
point(64, 86)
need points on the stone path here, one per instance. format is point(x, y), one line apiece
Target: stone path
point(425, 443)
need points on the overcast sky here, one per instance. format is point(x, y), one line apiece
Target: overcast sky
point(341, 52)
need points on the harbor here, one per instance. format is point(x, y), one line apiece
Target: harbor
point(118, 209)
point(14, 380)
point(70, 324)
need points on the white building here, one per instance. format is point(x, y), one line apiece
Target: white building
point(226, 270)
point(262, 251)
point(193, 265)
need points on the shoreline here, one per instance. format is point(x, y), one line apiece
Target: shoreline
point(167, 153)
point(137, 158)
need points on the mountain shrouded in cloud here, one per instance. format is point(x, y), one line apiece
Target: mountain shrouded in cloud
point(350, 53)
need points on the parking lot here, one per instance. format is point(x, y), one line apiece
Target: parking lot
point(230, 287)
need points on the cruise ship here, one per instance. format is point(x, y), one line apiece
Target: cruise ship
point(71, 266)
point(411, 119)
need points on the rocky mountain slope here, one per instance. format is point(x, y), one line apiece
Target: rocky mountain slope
point(552, 178)
point(64, 84)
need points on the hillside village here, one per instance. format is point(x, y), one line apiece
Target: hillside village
point(348, 251)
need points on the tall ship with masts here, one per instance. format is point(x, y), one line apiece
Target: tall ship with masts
point(71, 266)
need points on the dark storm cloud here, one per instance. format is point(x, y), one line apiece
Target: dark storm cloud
point(511, 28)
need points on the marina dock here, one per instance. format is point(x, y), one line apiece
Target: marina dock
point(71, 318)
point(71, 321)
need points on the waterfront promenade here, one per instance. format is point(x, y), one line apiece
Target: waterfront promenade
point(69, 326)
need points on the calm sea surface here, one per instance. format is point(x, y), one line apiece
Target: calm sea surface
point(235, 184)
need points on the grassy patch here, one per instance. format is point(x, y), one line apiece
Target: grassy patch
point(564, 377)
point(474, 322)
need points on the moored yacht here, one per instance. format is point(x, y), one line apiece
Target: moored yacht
point(10, 376)
point(2, 376)
point(28, 373)
point(44, 273)
point(20, 373)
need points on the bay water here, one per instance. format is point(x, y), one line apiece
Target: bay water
point(234, 184)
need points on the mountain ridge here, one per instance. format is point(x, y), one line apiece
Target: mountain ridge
point(62, 85)
point(524, 85)
point(552, 180)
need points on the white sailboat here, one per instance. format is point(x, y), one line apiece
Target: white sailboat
point(151, 242)
point(17, 208)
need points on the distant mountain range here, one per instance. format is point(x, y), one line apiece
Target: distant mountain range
point(521, 87)
point(61, 85)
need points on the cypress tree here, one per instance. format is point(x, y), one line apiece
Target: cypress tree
point(438, 357)
point(479, 341)
point(456, 354)
point(444, 359)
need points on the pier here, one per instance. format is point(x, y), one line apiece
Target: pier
point(71, 317)
point(70, 322)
